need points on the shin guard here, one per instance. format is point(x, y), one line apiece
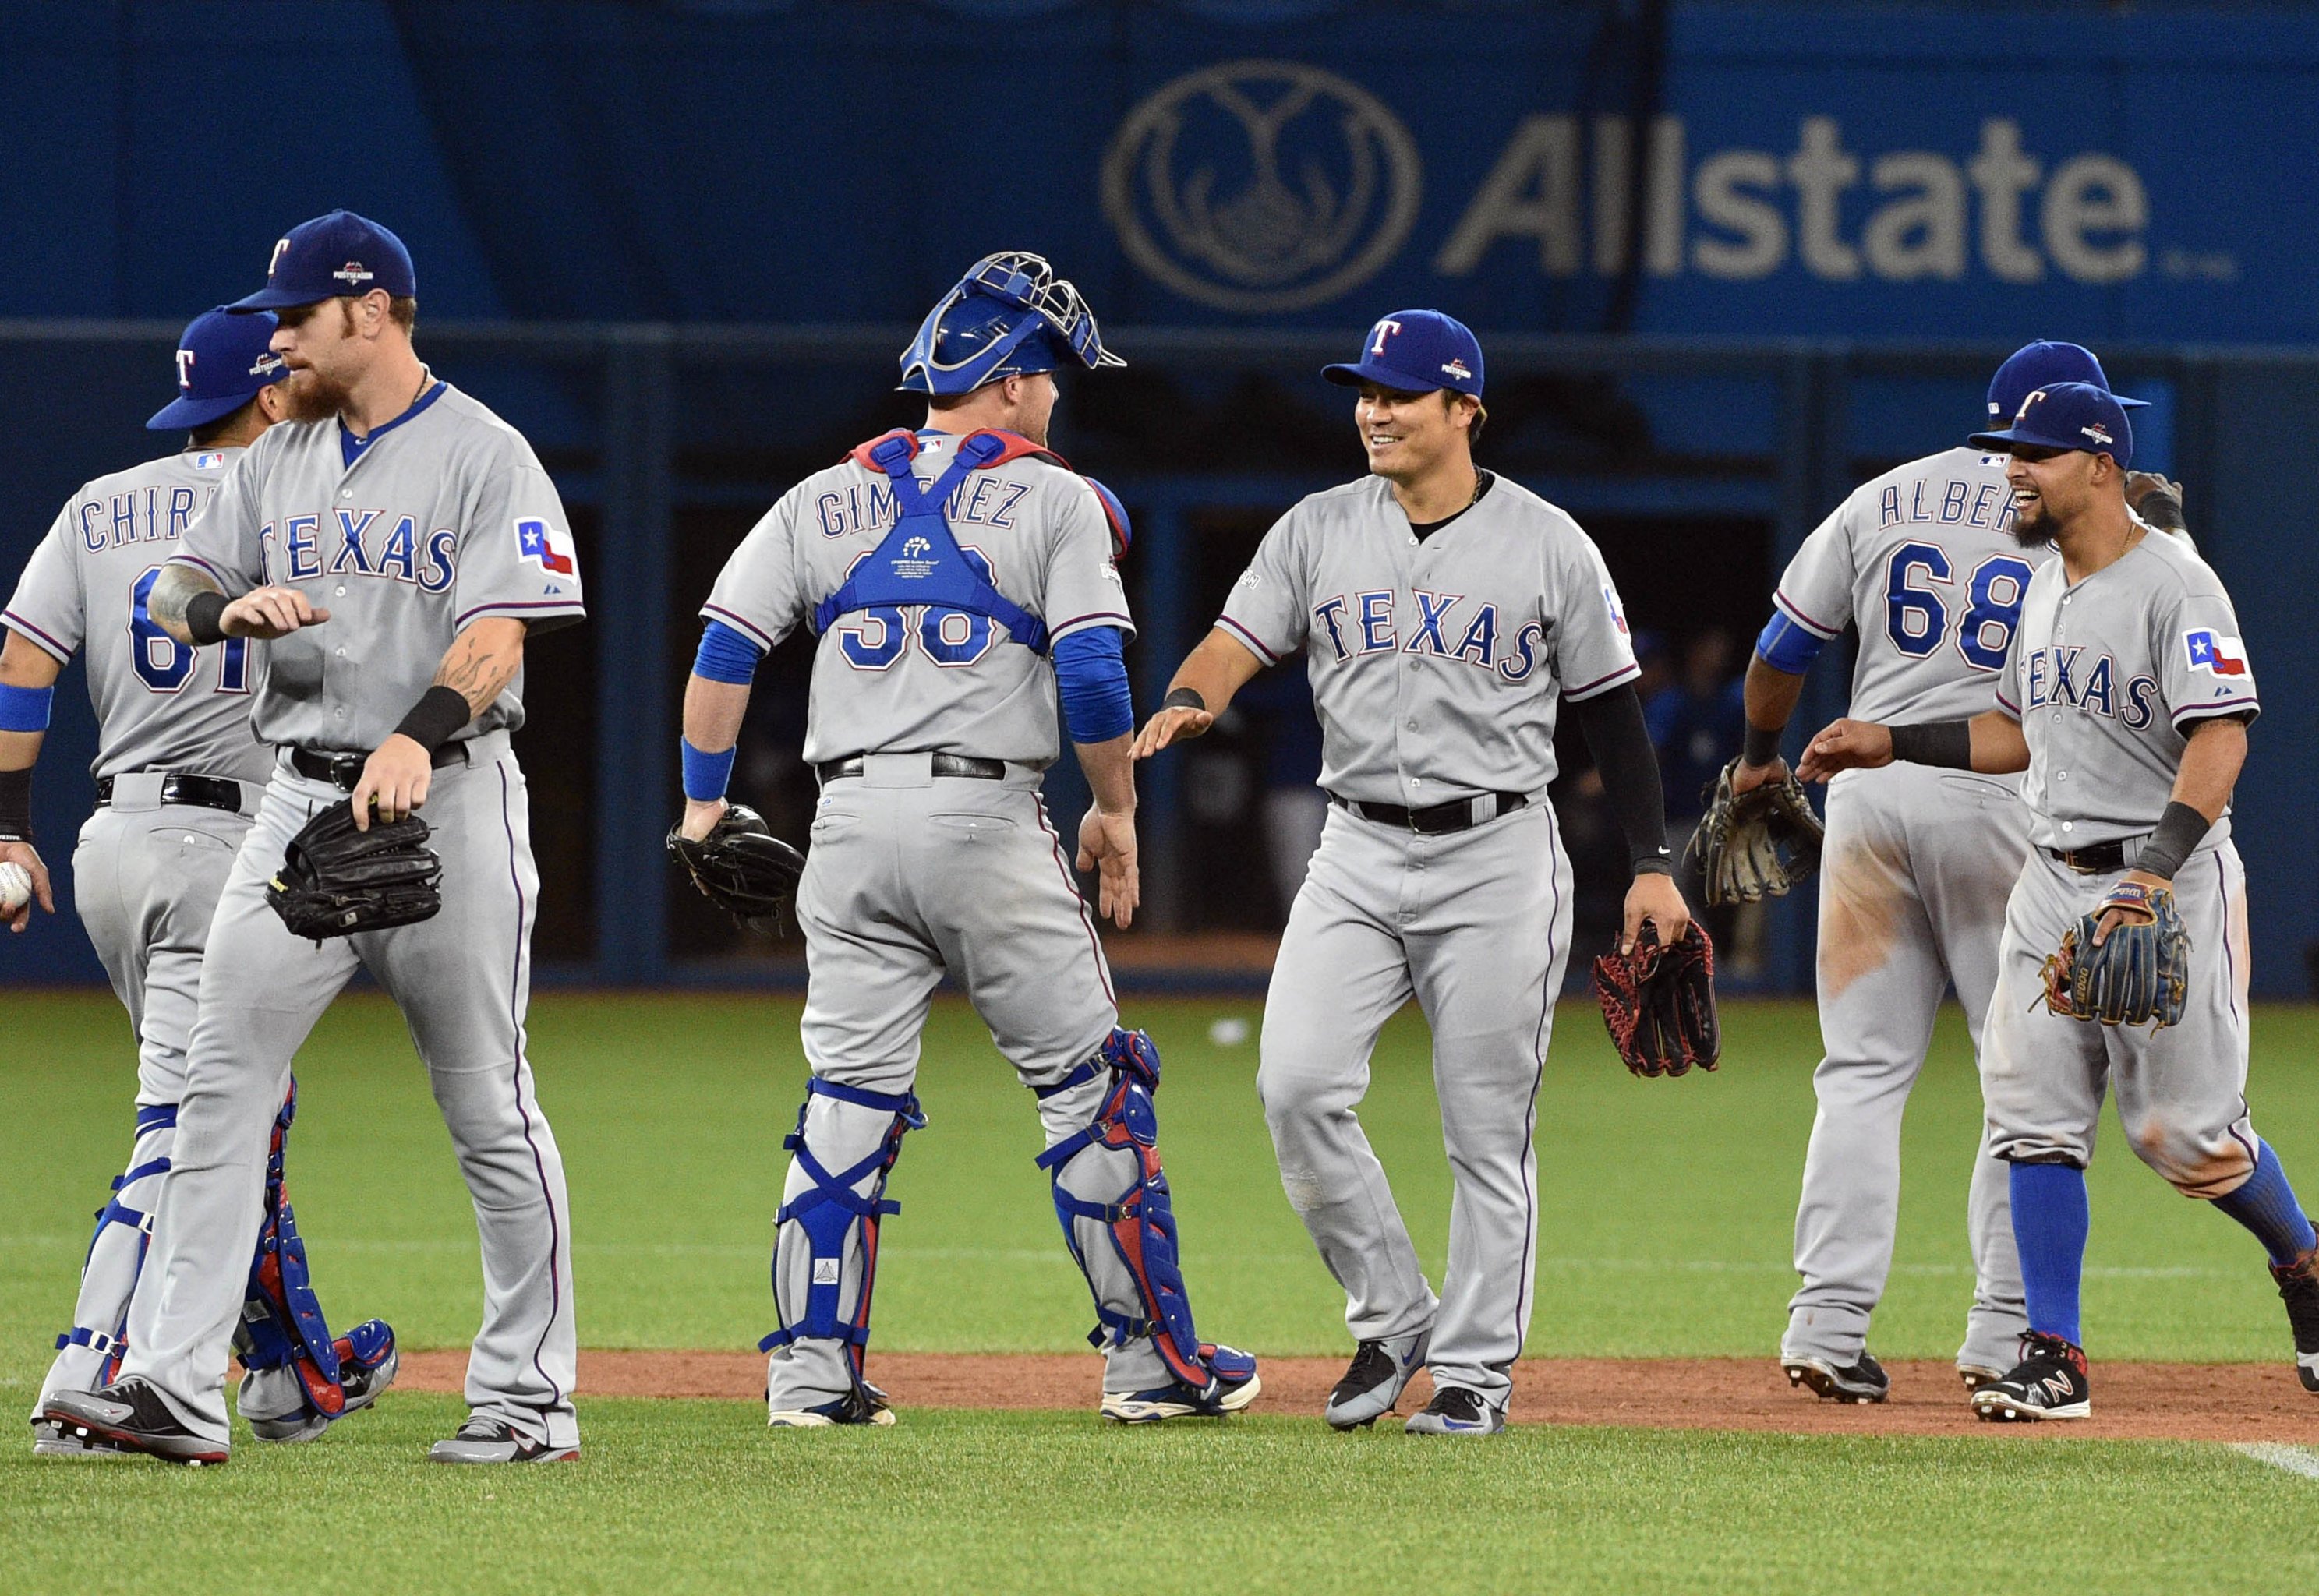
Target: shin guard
point(116, 1254)
point(1138, 1223)
point(827, 1217)
point(281, 1324)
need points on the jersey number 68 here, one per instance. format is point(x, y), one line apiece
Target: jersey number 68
point(1917, 618)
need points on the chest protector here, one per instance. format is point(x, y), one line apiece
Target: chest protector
point(919, 562)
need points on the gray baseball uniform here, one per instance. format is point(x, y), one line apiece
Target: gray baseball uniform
point(2105, 677)
point(147, 875)
point(1914, 875)
point(1437, 668)
point(909, 872)
point(443, 517)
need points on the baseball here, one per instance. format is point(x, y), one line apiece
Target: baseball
point(1229, 1032)
point(15, 888)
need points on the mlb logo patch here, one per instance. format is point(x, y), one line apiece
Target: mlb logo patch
point(545, 547)
point(210, 461)
point(2215, 653)
point(1610, 602)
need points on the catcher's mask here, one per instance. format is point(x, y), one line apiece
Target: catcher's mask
point(1010, 316)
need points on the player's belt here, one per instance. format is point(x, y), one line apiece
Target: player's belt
point(2096, 861)
point(342, 770)
point(1457, 814)
point(944, 764)
point(200, 792)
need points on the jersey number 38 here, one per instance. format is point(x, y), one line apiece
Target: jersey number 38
point(1917, 609)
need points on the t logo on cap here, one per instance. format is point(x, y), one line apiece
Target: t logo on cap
point(185, 370)
point(1384, 330)
point(281, 247)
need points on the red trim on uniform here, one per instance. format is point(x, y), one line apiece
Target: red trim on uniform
point(1110, 618)
point(1602, 683)
point(538, 1162)
point(1014, 446)
point(34, 634)
point(1094, 942)
point(1249, 637)
point(2010, 708)
point(2208, 711)
point(727, 616)
point(559, 605)
point(860, 453)
point(1822, 627)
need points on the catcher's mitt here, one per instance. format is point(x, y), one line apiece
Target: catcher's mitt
point(1751, 844)
point(1659, 1003)
point(337, 881)
point(2140, 973)
point(741, 867)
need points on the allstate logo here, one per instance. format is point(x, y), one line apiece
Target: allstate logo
point(1261, 185)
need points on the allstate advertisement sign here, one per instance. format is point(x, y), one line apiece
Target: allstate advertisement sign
point(1263, 188)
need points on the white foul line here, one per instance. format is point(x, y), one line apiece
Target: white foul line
point(2295, 1460)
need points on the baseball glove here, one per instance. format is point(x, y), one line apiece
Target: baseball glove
point(1659, 1003)
point(741, 867)
point(335, 880)
point(2138, 975)
point(1753, 843)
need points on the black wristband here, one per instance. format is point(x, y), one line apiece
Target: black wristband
point(432, 720)
point(1761, 746)
point(16, 805)
point(1184, 698)
point(202, 612)
point(1948, 743)
point(1651, 862)
point(2179, 831)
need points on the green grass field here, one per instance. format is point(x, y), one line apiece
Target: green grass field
point(1665, 1230)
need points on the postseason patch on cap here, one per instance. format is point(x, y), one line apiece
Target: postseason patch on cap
point(2098, 433)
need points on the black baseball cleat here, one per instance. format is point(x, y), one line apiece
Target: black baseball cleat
point(2048, 1382)
point(864, 1404)
point(131, 1414)
point(2298, 1288)
point(1862, 1382)
point(1457, 1410)
point(1374, 1381)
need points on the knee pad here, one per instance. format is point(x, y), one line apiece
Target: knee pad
point(1132, 1271)
point(835, 1208)
point(148, 1158)
point(282, 1323)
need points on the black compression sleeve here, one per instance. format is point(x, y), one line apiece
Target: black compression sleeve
point(202, 612)
point(1621, 745)
point(1948, 743)
point(16, 804)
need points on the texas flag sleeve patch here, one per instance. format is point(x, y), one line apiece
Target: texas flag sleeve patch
point(545, 545)
point(2215, 654)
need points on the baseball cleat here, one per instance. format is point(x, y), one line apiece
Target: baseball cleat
point(2298, 1288)
point(131, 1414)
point(1177, 1400)
point(864, 1404)
point(52, 1440)
point(1975, 1375)
point(1862, 1382)
point(1379, 1372)
point(485, 1439)
point(2049, 1383)
point(1456, 1410)
point(368, 1361)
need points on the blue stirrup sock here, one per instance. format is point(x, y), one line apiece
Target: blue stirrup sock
point(2050, 1218)
point(2266, 1205)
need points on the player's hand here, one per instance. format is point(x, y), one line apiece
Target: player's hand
point(270, 612)
point(1654, 898)
point(1179, 724)
point(1108, 847)
point(1846, 745)
point(394, 781)
point(25, 854)
point(1746, 777)
point(2121, 914)
point(2155, 500)
point(700, 818)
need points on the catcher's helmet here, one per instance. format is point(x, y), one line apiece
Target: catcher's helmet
point(1009, 316)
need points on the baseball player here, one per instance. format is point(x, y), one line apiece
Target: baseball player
point(956, 579)
point(1923, 562)
point(178, 776)
point(395, 541)
point(2125, 694)
point(1443, 612)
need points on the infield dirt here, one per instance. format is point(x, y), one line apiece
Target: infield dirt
point(2132, 1401)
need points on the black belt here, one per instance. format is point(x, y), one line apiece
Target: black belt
point(1455, 815)
point(2096, 860)
point(944, 764)
point(200, 792)
point(342, 770)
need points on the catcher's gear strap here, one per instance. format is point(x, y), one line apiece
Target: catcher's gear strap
point(1142, 1221)
point(919, 562)
point(153, 1118)
point(282, 1322)
point(828, 1214)
point(1621, 741)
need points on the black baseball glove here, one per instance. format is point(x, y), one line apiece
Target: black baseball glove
point(1659, 1003)
point(335, 880)
point(2137, 976)
point(1750, 844)
point(741, 867)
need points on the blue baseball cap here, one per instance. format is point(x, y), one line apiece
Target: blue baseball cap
point(2067, 416)
point(222, 359)
point(339, 255)
point(1416, 352)
point(2041, 365)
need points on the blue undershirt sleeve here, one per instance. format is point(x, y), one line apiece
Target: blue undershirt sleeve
point(727, 656)
point(1091, 672)
point(1787, 647)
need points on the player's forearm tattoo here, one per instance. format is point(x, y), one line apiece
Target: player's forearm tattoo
point(172, 590)
point(483, 659)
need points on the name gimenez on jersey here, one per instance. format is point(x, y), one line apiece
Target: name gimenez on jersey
point(1361, 624)
point(983, 500)
point(398, 554)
